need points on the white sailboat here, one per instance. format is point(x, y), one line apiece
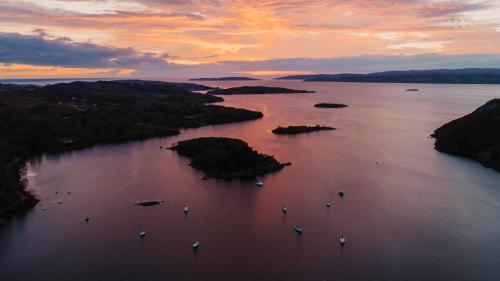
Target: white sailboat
point(298, 228)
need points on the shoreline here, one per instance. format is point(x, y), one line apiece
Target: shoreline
point(51, 121)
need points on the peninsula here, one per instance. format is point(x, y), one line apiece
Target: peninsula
point(227, 158)
point(293, 130)
point(67, 116)
point(476, 135)
point(434, 76)
point(256, 90)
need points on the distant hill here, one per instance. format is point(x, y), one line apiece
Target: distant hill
point(303, 76)
point(233, 78)
point(434, 76)
point(124, 90)
point(256, 90)
point(10, 87)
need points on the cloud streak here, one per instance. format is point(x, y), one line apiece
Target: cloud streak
point(38, 50)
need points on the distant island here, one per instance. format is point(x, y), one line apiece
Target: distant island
point(256, 90)
point(476, 135)
point(190, 86)
point(435, 76)
point(74, 115)
point(231, 78)
point(293, 130)
point(330, 105)
point(226, 158)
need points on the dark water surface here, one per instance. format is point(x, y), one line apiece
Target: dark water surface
point(416, 215)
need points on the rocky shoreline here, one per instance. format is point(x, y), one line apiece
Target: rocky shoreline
point(226, 158)
point(475, 136)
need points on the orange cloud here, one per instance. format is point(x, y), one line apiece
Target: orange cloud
point(197, 31)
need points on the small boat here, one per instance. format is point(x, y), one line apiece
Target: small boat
point(87, 219)
point(259, 183)
point(328, 204)
point(284, 209)
point(196, 244)
point(341, 193)
point(148, 202)
point(342, 240)
point(186, 209)
point(298, 228)
point(142, 234)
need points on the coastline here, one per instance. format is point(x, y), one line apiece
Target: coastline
point(121, 111)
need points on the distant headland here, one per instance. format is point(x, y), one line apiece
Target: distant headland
point(256, 90)
point(433, 76)
point(229, 78)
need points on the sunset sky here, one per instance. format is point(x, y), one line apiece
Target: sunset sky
point(175, 38)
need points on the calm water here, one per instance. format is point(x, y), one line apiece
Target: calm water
point(416, 215)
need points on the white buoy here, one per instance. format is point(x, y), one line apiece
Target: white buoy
point(342, 240)
point(328, 204)
point(284, 209)
point(186, 209)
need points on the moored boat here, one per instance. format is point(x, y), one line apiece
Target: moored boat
point(298, 228)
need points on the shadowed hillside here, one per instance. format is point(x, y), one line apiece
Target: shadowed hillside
point(476, 135)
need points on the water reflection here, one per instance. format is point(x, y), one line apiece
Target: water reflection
point(408, 210)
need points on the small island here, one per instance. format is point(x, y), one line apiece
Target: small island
point(231, 78)
point(476, 135)
point(227, 158)
point(330, 105)
point(256, 90)
point(293, 130)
